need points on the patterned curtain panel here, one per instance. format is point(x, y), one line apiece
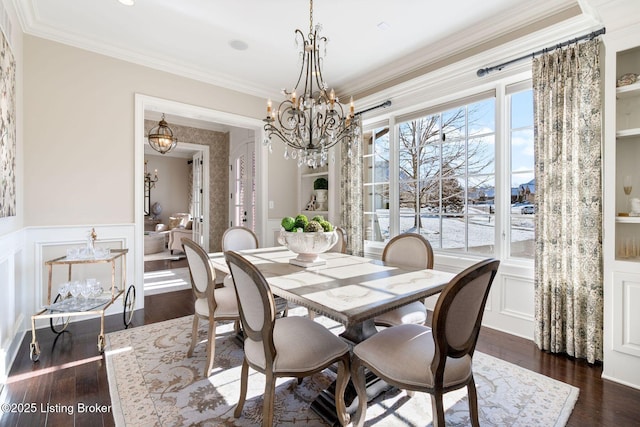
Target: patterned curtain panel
point(351, 196)
point(568, 158)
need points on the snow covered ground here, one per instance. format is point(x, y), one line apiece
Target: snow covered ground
point(449, 232)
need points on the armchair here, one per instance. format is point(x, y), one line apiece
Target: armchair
point(179, 227)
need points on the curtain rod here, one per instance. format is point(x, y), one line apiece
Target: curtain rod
point(482, 71)
point(383, 105)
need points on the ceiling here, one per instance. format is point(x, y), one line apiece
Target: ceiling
point(371, 42)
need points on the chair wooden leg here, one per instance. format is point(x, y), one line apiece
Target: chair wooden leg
point(473, 403)
point(211, 347)
point(341, 386)
point(267, 407)
point(358, 379)
point(194, 336)
point(437, 410)
point(244, 378)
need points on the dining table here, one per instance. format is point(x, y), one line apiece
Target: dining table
point(348, 289)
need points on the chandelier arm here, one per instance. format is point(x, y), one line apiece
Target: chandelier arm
point(318, 67)
point(304, 43)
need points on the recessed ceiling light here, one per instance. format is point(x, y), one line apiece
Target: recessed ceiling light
point(127, 2)
point(238, 45)
point(383, 26)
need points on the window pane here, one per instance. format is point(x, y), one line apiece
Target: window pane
point(454, 158)
point(522, 109)
point(522, 211)
point(430, 163)
point(482, 233)
point(482, 154)
point(408, 220)
point(376, 226)
point(522, 150)
point(482, 117)
point(454, 232)
point(382, 142)
point(453, 196)
point(439, 166)
point(453, 124)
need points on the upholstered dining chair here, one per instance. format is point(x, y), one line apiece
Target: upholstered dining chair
point(435, 360)
point(411, 250)
point(237, 239)
point(211, 304)
point(341, 243)
point(242, 238)
point(281, 347)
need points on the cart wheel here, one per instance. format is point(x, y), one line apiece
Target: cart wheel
point(59, 324)
point(129, 305)
point(34, 351)
point(101, 343)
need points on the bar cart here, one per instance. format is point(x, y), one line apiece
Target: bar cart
point(71, 304)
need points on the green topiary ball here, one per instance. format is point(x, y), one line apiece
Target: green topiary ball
point(301, 221)
point(313, 227)
point(326, 225)
point(288, 223)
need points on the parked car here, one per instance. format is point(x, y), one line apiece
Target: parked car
point(529, 209)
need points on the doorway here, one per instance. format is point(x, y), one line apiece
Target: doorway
point(145, 105)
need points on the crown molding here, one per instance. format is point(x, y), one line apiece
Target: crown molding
point(436, 85)
point(28, 18)
point(473, 40)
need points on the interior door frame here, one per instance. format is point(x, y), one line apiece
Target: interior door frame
point(144, 103)
point(242, 147)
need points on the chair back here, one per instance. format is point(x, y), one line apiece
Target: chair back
point(239, 238)
point(200, 269)
point(458, 313)
point(256, 306)
point(409, 249)
point(341, 243)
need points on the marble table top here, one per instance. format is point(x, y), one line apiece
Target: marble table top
point(349, 289)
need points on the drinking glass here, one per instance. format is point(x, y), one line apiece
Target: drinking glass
point(627, 187)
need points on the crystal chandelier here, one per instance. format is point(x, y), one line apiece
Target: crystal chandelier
point(161, 137)
point(311, 119)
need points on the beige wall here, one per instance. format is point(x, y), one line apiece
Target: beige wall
point(172, 188)
point(79, 130)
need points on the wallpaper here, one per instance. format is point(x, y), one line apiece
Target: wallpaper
point(7, 129)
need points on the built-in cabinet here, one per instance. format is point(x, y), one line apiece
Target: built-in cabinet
point(621, 217)
point(307, 177)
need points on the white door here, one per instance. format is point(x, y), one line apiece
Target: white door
point(242, 188)
point(197, 199)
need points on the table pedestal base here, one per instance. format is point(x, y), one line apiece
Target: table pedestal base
point(325, 404)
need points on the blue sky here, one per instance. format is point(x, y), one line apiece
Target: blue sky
point(522, 137)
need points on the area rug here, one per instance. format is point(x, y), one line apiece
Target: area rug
point(159, 281)
point(153, 383)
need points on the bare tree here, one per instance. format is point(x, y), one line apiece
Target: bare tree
point(435, 158)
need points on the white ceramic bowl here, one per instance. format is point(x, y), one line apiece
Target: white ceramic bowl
point(308, 246)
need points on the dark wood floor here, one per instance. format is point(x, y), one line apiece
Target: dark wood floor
point(71, 371)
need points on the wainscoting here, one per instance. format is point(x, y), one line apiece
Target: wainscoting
point(24, 276)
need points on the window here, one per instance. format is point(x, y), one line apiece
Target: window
point(446, 177)
point(440, 172)
point(376, 184)
point(522, 211)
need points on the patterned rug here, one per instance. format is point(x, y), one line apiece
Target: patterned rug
point(153, 383)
